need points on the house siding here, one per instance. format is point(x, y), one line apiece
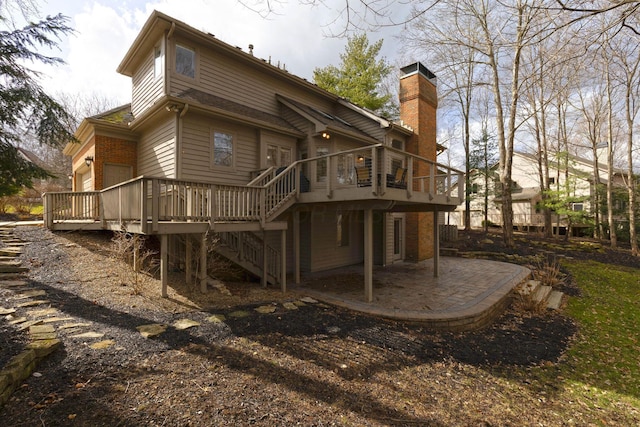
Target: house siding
point(325, 253)
point(197, 151)
point(156, 150)
point(146, 88)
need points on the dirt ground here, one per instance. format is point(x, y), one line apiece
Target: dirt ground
point(294, 364)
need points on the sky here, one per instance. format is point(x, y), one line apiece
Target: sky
point(296, 35)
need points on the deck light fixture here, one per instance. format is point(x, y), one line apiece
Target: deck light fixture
point(88, 160)
point(325, 135)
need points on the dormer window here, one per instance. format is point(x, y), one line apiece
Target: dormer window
point(185, 61)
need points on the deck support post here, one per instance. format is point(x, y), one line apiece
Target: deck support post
point(188, 262)
point(203, 263)
point(283, 260)
point(436, 244)
point(368, 255)
point(296, 245)
point(164, 268)
point(265, 260)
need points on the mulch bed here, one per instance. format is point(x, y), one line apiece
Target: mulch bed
point(317, 365)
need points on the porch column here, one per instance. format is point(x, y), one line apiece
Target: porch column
point(164, 268)
point(188, 262)
point(368, 255)
point(203, 263)
point(283, 259)
point(436, 244)
point(265, 260)
point(296, 246)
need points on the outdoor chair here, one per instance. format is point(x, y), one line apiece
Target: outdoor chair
point(397, 180)
point(363, 176)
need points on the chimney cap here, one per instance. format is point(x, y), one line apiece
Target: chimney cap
point(417, 67)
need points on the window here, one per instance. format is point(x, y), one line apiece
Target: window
point(396, 143)
point(222, 149)
point(278, 156)
point(552, 180)
point(346, 171)
point(474, 188)
point(578, 207)
point(158, 62)
point(342, 231)
point(321, 165)
point(185, 61)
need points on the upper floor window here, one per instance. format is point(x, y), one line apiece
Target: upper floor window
point(158, 61)
point(397, 144)
point(185, 61)
point(222, 149)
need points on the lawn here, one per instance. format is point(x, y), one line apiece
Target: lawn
point(600, 373)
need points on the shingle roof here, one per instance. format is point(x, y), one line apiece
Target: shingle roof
point(233, 107)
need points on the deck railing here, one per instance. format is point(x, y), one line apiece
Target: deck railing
point(146, 199)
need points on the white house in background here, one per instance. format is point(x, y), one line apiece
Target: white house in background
point(527, 195)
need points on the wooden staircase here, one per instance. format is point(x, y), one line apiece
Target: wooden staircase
point(245, 249)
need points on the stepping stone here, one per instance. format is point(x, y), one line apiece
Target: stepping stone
point(266, 309)
point(57, 319)
point(5, 311)
point(42, 313)
point(30, 323)
point(73, 325)
point(555, 298)
point(290, 306)
point(43, 348)
point(299, 303)
point(44, 336)
point(33, 303)
point(12, 269)
point(183, 324)
point(101, 345)
point(12, 283)
point(41, 329)
point(10, 263)
point(31, 294)
point(239, 314)
point(216, 318)
point(309, 300)
point(152, 330)
point(18, 320)
point(88, 335)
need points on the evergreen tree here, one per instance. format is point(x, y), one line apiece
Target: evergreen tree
point(24, 106)
point(360, 76)
point(482, 157)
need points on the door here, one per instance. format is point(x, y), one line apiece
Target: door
point(398, 239)
point(115, 174)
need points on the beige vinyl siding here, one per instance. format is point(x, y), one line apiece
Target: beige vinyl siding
point(156, 151)
point(225, 76)
point(197, 147)
point(146, 88)
point(325, 253)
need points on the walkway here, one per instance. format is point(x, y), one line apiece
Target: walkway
point(469, 293)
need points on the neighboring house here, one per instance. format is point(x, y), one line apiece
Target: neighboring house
point(291, 177)
point(526, 194)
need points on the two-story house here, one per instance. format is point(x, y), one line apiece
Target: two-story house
point(291, 177)
point(571, 175)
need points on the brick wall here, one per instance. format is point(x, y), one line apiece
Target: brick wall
point(113, 150)
point(418, 104)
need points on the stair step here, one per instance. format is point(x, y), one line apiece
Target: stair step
point(554, 300)
point(528, 288)
point(542, 293)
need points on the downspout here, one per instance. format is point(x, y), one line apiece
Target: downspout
point(178, 138)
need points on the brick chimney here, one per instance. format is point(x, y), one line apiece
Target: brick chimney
point(418, 104)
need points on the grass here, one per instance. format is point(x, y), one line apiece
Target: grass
point(601, 369)
point(35, 210)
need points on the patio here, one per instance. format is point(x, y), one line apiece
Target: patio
point(468, 294)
